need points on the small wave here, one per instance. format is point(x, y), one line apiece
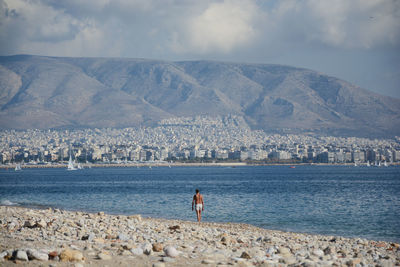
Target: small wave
point(7, 202)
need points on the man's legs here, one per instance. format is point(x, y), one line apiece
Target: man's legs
point(198, 213)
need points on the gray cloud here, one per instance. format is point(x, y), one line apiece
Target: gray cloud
point(300, 33)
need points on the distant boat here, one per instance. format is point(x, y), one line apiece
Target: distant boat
point(385, 164)
point(80, 166)
point(71, 166)
point(292, 167)
point(355, 164)
point(368, 165)
point(18, 167)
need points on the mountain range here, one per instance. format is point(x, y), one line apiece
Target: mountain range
point(55, 92)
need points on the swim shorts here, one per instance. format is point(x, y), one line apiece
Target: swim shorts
point(199, 206)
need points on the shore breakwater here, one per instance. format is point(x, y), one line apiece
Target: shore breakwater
point(59, 237)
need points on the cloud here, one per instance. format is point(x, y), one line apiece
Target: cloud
point(340, 23)
point(220, 27)
point(308, 33)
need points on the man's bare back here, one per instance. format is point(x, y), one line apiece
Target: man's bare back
point(199, 204)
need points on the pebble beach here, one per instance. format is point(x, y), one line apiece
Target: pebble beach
point(53, 237)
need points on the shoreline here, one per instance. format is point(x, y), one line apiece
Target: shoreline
point(181, 164)
point(97, 239)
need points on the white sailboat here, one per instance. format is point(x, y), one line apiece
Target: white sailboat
point(80, 166)
point(18, 167)
point(385, 164)
point(71, 166)
point(368, 165)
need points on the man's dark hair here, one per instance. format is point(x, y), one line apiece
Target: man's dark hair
point(197, 190)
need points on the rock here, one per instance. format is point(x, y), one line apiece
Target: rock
point(270, 251)
point(36, 255)
point(89, 237)
point(207, 261)
point(71, 255)
point(21, 255)
point(170, 251)
point(284, 251)
point(53, 254)
point(318, 253)
point(136, 217)
point(123, 237)
point(174, 228)
point(127, 246)
point(290, 260)
point(168, 259)
point(42, 223)
point(147, 248)
point(104, 256)
point(328, 251)
point(125, 253)
point(157, 247)
point(158, 264)
point(99, 240)
point(245, 255)
point(353, 262)
point(30, 224)
point(3, 255)
point(101, 213)
point(137, 251)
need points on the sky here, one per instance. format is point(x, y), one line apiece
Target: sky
point(355, 40)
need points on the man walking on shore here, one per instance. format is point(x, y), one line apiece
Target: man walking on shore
point(198, 201)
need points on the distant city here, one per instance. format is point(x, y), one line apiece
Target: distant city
point(194, 139)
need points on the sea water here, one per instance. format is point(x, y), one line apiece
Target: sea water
point(333, 200)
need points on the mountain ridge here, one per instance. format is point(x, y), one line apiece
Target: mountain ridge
point(59, 92)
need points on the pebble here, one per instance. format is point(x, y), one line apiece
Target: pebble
point(318, 253)
point(137, 251)
point(21, 255)
point(159, 264)
point(36, 255)
point(157, 247)
point(147, 248)
point(170, 251)
point(123, 237)
point(71, 255)
point(207, 261)
point(168, 259)
point(104, 256)
point(3, 254)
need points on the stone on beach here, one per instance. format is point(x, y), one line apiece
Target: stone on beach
point(21, 255)
point(37, 255)
point(245, 255)
point(171, 251)
point(104, 256)
point(136, 217)
point(147, 248)
point(157, 247)
point(123, 237)
point(42, 223)
point(71, 255)
point(137, 251)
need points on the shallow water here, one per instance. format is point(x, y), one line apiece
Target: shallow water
point(334, 200)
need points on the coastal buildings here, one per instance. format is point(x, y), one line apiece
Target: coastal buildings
point(199, 138)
